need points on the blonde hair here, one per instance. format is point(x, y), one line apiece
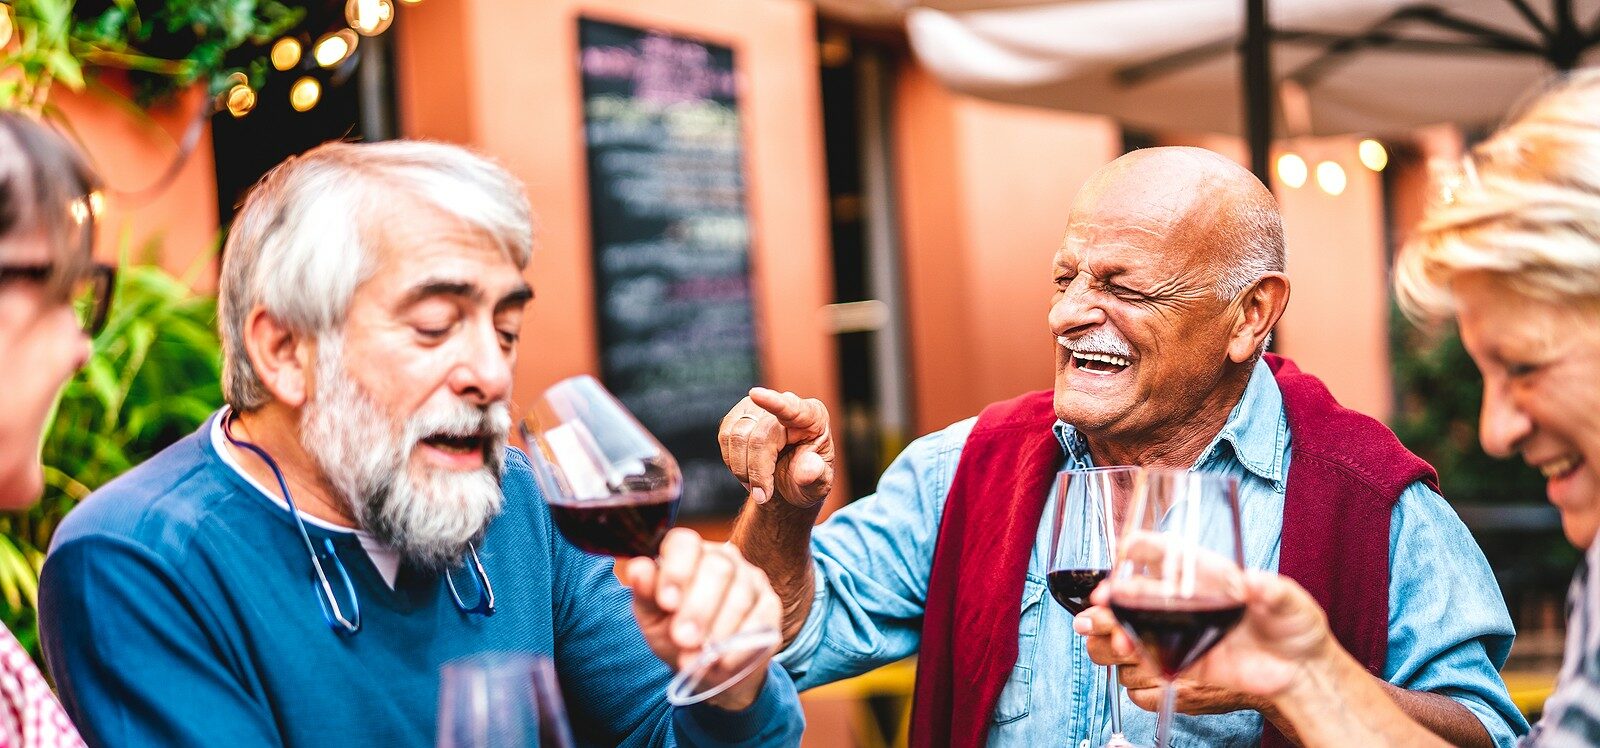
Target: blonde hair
point(1524, 206)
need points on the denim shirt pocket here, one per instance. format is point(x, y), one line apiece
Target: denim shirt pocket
point(1017, 696)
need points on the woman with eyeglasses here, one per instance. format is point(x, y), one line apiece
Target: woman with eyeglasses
point(52, 297)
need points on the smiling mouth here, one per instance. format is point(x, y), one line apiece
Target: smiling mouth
point(1560, 468)
point(1100, 364)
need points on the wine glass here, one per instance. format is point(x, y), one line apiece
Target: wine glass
point(501, 700)
point(613, 490)
point(1089, 505)
point(1178, 585)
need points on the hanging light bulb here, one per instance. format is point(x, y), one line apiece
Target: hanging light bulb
point(369, 17)
point(305, 93)
point(1331, 178)
point(241, 100)
point(334, 48)
point(1292, 170)
point(286, 53)
point(1373, 155)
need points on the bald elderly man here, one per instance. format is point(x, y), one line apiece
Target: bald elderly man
point(1166, 287)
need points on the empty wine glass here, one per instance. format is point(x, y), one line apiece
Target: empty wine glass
point(1089, 505)
point(501, 700)
point(1178, 584)
point(613, 490)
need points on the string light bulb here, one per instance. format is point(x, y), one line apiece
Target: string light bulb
point(369, 17)
point(1292, 170)
point(335, 48)
point(1331, 178)
point(286, 53)
point(305, 93)
point(241, 100)
point(1373, 155)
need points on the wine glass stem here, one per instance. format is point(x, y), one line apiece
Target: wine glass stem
point(1169, 695)
point(1113, 701)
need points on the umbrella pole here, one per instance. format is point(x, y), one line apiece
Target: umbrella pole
point(1257, 75)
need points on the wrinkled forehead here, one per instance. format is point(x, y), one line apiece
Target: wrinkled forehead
point(417, 244)
point(1159, 230)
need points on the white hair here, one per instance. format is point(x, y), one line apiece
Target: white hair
point(1525, 205)
point(309, 232)
point(1255, 229)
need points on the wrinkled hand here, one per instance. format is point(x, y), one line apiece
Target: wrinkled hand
point(1109, 644)
point(698, 592)
point(779, 441)
point(1283, 632)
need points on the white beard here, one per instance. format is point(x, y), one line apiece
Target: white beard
point(429, 516)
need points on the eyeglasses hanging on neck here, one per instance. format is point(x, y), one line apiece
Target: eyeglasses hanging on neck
point(346, 618)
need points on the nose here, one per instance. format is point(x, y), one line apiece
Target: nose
point(1074, 310)
point(1501, 424)
point(483, 375)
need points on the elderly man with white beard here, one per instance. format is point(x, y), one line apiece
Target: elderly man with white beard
point(296, 572)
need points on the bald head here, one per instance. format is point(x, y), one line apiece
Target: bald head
point(1193, 202)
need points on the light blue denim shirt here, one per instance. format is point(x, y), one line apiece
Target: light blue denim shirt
point(1449, 632)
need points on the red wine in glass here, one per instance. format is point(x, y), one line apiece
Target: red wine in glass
point(1071, 587)
point(1178, 584)
point(613, 490)
point(1177, 633)
point(1083, 544)
point(633, 525)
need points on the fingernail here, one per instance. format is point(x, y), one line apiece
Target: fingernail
point(668, 599)
point(687, 634)
point(758, 496)
point(1082, 625)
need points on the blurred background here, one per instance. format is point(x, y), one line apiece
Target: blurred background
point(856, 200)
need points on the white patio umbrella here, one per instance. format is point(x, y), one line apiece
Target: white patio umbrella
point(1373, 66)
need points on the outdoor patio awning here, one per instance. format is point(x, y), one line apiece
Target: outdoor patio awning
point(1370, 66)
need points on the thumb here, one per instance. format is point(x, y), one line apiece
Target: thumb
point(639, 576)
point(807, 477)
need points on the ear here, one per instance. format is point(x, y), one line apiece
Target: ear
point(281, 356)
point(1258, 310)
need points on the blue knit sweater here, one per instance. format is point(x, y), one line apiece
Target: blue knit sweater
point(176, 610)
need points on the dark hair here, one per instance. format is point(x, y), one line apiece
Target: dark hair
point(45, 186)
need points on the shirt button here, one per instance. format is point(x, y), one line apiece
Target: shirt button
point(1083, 743)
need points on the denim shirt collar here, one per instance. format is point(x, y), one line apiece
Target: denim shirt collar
point(1255, 433)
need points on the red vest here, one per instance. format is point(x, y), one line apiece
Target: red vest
point(1345, 474)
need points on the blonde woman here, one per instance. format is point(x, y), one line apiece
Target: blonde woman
point(1512, 253)
point(46, 233)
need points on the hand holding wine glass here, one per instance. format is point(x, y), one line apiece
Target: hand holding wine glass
point(1282, 633)
point(698, 596)
point(613, 490)
point(1178, 584)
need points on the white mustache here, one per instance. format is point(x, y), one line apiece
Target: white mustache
point(1098, 340)
point(457, 418)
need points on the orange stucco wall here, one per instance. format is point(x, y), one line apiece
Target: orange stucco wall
point(499, 75)
point(984, 191)
point(130, 153)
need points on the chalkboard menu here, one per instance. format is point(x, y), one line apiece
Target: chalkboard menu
point(671, 242)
